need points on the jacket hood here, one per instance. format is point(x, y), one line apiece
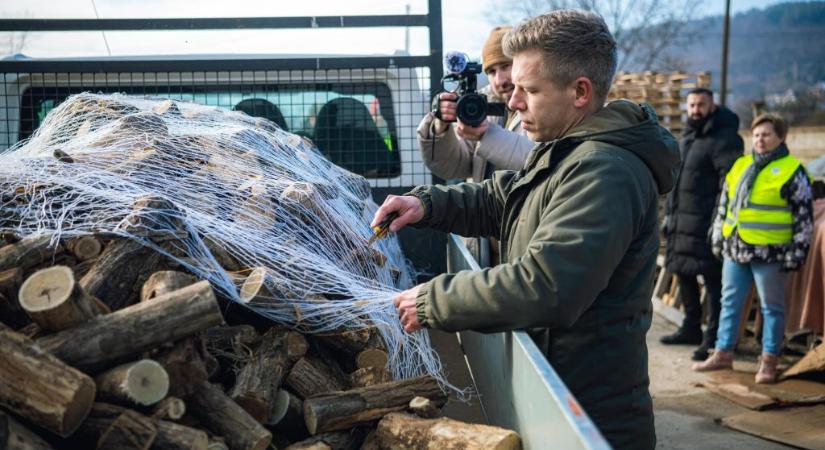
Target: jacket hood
point(723, 118)
point(635, 128)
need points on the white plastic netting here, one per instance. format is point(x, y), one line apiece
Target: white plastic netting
point(237, 184)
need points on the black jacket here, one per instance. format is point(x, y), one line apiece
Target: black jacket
point(707, 155)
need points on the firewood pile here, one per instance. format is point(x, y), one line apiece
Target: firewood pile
point(666, 92)
point(118, 332)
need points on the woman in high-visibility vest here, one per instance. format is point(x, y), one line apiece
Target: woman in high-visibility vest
point(763, 230)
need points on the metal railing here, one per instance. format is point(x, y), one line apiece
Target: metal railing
point(518, 389)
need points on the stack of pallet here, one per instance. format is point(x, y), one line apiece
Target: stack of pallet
point(666, 92)
point(89, 362)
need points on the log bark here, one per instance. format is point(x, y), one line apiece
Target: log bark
point(122, 263)
point(15, 436)
point(170, 435)
point(258, 381)
point(225, 418)
point(55, 301)
point(296, 346)
point(369, 376)
point(336, 440)
point(84, 248)
point(174, 436)
point(143, 382)
point(136, 328)
point(28, 252)
point(185, 362)
point(231, 340)
point(407, 432)
point(310, 377)
point(10, 282)
point(341, 410)
point(130, 430)
point(40, 388)
point(163, 282)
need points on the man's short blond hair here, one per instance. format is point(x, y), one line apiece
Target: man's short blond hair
point(575, 44)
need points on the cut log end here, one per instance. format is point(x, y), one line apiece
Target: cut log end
point(253, 286)
point(147, 382)
point(46, 289)
point(85, 248)
point(279, 407)
point(371, 357)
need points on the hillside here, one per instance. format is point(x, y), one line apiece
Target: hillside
point(772, 50)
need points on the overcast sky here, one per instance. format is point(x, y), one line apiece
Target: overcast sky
point(465, 26)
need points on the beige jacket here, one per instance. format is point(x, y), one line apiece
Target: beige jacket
point(449, 156)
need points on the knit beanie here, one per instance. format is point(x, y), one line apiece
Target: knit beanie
point(492, 53)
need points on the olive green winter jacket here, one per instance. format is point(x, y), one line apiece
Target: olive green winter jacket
point(579, 238)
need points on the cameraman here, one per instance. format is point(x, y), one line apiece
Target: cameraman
point(461, 151)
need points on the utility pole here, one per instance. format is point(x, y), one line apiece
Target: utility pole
point(723, 91)
point(407, 32)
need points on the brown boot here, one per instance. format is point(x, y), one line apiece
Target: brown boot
point(718, 360)
point(767, 368)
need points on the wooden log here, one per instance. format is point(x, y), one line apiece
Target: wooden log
point(350, 341)
point(84, 248)
point(371, 357)
point(230, 339)
point(310, 377)
point(286, 405)
point(185, 363)
point(336, 440)
point(296, 346)
point(10, 282)
point(369, 376)
point(174, 436)
point(217, 443)
point(55, 301)
point(258, 381)
point(163, 282)
point(130, 430)
point(172, 408)
point(341, 410)
point(32, 331)
point(143, 382)
point(136, 328)
point(40, 388)
point(170, 435)
point(11, 313)
point(15, 436)
point(226, 418)
point(407, 432)
point(424, 407)
point(121, 264)
point(28, 252)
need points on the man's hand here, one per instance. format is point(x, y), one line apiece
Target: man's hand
point(446, 110)
point(409, 208)
point(465, 131)
point(407, 313)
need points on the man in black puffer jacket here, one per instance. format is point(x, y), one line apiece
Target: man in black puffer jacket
point(709, 146)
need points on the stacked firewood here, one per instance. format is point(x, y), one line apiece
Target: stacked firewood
point(107, 345)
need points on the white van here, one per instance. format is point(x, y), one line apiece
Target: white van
point(363, 119)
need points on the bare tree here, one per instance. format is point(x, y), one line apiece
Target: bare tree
point(13, 42)
point(643, 29)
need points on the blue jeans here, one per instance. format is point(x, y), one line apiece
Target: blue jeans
point(737, 280)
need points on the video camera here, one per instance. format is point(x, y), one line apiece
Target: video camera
point(471, 107)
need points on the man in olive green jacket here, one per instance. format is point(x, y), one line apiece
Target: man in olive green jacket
point(577, 225)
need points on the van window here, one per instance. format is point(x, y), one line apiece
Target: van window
point(351, 124)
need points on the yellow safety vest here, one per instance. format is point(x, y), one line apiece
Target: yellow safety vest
point(766, 217)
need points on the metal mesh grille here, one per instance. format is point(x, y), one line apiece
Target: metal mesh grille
point(362, 119)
